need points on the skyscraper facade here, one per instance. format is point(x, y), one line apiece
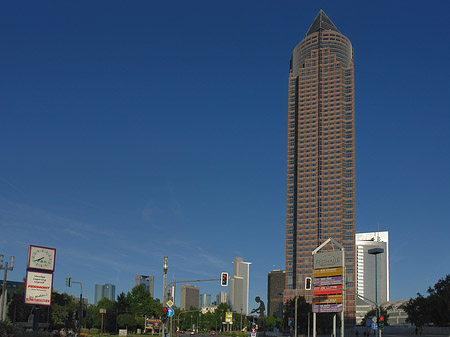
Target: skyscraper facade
point(321, 156)
point(275, 285)
point(189, 297)
point(221, 297)
point(102, 291)
point(239, 286)
point(205, 300)
point(365, 271)
point(146, 281)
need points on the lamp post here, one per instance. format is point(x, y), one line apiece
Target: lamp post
point(375, 252)
point(4, 294)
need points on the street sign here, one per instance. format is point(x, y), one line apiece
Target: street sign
point(253, 334)
point(374, 326)
point(169, 304)
point(170, 312)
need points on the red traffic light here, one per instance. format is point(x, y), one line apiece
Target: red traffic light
point(224, 279)
point(381, 318)
point(164, 310)
point(308, 283)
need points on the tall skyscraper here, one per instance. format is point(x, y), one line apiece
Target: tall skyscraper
point(205, 300)
point(239, 286)
point(102, 291)
point(321, 155)
point(146, 281)
point(189, 297)
point(365, 271)
point(275, 285)
point(221, 297)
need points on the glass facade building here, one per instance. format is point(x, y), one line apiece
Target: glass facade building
point(321, 155)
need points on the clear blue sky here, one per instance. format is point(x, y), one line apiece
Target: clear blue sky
point(131, 130)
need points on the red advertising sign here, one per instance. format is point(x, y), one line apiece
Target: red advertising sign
point(337, 289)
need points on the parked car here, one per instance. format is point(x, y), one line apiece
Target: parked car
point(212, 332)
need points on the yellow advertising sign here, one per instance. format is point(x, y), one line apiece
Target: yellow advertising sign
point(327, 299)
point(327, 272)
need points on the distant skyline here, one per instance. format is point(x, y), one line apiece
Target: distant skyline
point(134, 131)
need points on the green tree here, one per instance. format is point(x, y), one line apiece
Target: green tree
point(272, 322)
point(434, 309)
point(126, 321)
point(141, 303)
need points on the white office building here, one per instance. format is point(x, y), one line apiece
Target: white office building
point(239, 286)
point(365, 271)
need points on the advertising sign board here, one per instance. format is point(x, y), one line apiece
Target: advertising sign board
point(327, 272)
point(326, 299)
point(328, 260)
point(337, 289)
point(38, 288)
point(325, 308)
point(327, 281)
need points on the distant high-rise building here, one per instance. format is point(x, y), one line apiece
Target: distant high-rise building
point(239, 286)
point(104, 290)
point(146, 281)
point(221, 297)
point(205, 300)
point(189, 297)
point(275, 285)
point(321, 156)
point(365, 271)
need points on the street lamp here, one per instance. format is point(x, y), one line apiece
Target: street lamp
point(4, 294)
point(375, 252)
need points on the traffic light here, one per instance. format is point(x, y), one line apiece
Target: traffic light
point(68, 281)
point(224, 279)
point(308, 283)
point(164, 315)
point(381, 321)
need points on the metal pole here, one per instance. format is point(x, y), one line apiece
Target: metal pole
point(344, 293)
point(295, 314)
point(164, 292)
point(376, 295)
point(309, 322)
point(334, 325)
point(5, 288)
point(3, 309)
point(314, 324)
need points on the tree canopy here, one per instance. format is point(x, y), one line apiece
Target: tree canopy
point(432, 309)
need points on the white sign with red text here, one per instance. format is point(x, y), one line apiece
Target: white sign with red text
point(38, 289)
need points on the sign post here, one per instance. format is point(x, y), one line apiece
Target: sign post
point(329, 283)
point(39, 282)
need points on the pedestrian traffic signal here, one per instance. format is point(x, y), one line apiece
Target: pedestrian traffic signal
point(224, 279)
point(308, 283)
point(164, 315)
point(68, 281)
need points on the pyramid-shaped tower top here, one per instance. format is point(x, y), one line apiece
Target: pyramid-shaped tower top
point(321, 22)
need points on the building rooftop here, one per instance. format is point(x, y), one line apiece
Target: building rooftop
point(321, 22)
